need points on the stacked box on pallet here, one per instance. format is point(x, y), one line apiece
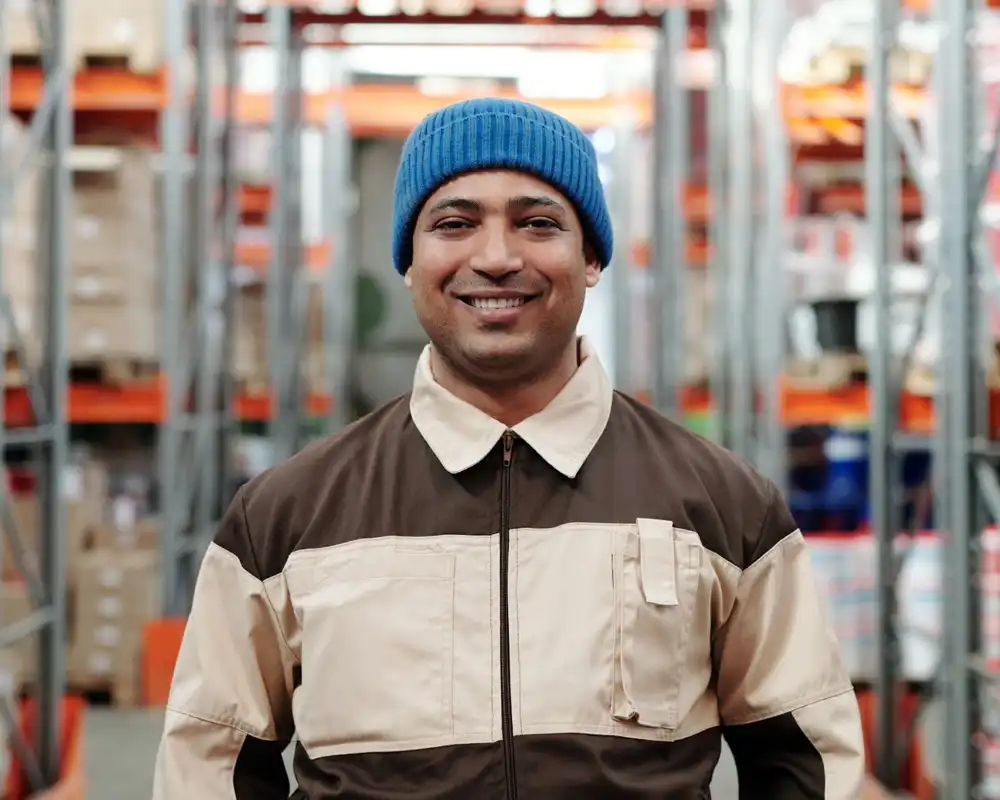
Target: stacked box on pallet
point(117, 592)
point(250, 339)
point(113, 575)
point(113, 280)
point(18, 238)
point(120, 29)
point(132, 29)
point(19, 29)
point(84, 498)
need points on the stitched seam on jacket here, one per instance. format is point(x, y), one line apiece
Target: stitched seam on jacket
point(263, 585)
point(792, 706)
point(233, 726)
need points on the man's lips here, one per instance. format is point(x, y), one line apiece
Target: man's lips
point(497, 309)
point(497, 302)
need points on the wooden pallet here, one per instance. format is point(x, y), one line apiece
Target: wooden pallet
point(112, 371)
point(253, 386)
point(14, 374)
point(116, 692)
point(123, 59)
point(831, 371)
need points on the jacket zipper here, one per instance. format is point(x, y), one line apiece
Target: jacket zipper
point(506, 702)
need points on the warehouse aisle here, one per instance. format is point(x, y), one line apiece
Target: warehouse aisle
point(121, 746)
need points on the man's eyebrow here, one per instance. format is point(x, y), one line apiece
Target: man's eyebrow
point(524, 202)
point(456, 204)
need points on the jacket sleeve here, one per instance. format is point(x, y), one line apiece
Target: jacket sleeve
point(228, 717)
point(789, 712)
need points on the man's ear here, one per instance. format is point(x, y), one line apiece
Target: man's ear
point(592, 268)
point(408, 280)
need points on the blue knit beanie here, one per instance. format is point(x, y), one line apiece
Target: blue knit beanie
point(493, 133)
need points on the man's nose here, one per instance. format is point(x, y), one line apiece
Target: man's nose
point(497, 254)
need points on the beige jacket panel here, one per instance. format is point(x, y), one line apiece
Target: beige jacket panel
point(233, 678)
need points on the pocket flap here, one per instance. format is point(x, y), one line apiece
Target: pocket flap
point(657, 563)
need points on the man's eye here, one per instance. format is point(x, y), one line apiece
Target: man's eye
point(451, 224)
point(541, 222)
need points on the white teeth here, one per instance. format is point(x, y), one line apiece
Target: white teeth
point(497, 302)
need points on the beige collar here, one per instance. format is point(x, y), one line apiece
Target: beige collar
point(563, 433)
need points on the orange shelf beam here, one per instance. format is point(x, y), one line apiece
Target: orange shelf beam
point(257, 407)
point(138, 404)
point(844, 102)
point(257, 255)
point(93, 90)
point(850, 406)
point(143, 403)
point(395, 110)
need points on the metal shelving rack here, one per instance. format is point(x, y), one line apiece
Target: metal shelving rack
point(287, 284)
point(198, 236)
point(340, 204)
point(671, 160)
point(971, 491)
point(748, 167)
point(952, 179)
point(51, 136)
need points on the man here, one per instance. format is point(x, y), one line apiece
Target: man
point(513, 582)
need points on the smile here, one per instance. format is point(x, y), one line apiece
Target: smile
point(497, 303)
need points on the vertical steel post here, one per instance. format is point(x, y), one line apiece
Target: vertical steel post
point(671, 157)
point(957, 228)
point(54, 371)
point(206, 282)
point(877, 187)
point(175, 335)
point(621, 271)
point(718, 226)
point(283, 287)
point(339, 286)
point(740, 251)
point(770, 291)
point(230, 215)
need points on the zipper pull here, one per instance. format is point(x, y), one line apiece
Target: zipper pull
point(508, 446)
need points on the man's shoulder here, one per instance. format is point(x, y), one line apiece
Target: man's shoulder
point(730, 495)
point(668, 439)
point(330, 455)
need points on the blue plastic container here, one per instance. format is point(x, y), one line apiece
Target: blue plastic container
point(846, 490)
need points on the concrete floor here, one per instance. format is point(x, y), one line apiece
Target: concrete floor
point(121, 747)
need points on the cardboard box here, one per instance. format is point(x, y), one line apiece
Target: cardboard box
point(16, 605)
point(250, 357)
point(114, 231)
point(143, 535)
point(132, 28)
point(85, 491)
point(116, 594)
point(103, 331)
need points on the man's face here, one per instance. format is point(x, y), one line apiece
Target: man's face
point(499, 275)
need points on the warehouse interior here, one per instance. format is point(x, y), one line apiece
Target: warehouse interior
point(196, 281)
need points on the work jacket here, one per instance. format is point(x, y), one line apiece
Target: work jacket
point(438, 607)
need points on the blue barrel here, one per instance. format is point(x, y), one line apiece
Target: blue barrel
point(846, 490)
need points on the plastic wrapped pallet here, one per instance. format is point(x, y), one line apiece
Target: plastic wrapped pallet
point(117, 593)
point(114, 260)
point(131, 29)
point(250, 357)
point(18, 237)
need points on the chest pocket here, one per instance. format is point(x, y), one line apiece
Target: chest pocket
point(657, 571)
point(376, 648)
